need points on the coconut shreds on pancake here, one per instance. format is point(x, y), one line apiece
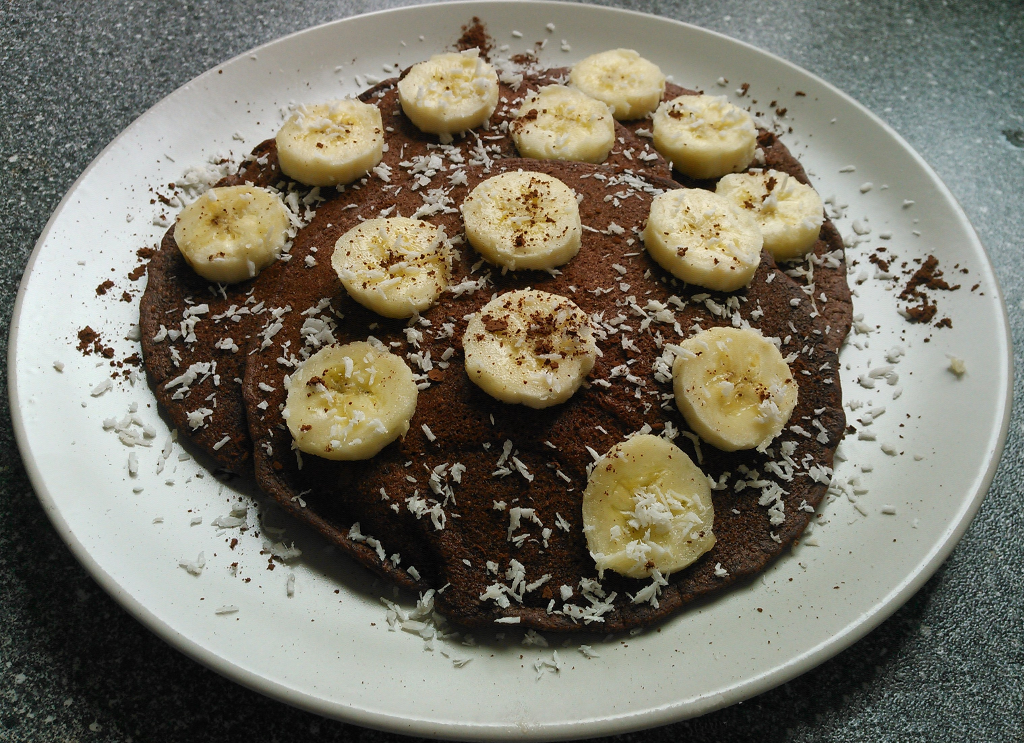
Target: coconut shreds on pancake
point(204, 402)
point(459, 530)
point(822, 272)
point(406, 143)
point(195, 336)
point(449, 506)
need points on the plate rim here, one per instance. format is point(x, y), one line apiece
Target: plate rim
point(622, 722)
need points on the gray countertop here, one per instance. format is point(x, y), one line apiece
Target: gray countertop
point(949, 77)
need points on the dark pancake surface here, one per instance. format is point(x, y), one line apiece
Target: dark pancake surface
point(178, 341)
point(510, 456)
point(614, 281)
point(822, 272)
point(413, 161)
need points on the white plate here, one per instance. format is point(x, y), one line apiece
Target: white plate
point(327, 648)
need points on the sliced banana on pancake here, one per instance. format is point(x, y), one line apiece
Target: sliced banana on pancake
point(396, 266)
point(349, 402)
point(523, 219)
point(630, 85)
point(703, 239)
point(733, 387)
point(331, 144)
point(789, 213)
point(560, 123)
point(230, 234)
point(529, 347)
point(647, 507)
point(704, 136)
point(449, 93)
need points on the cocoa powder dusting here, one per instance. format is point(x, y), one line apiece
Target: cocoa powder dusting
point(89, 342)
point(86, 336)
point(923, 312)
point(495, 324)
point(928, 276)
point(524, 58)
point(474, 36)
point(144, 255)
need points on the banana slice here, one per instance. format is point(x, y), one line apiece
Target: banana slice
point(789, 213)
point(703, 239)
point(733, 388)
point(395, 267)
point(560, 123)
point(631, 85)
point(331, 144)
point(529, 347)
point(704, 136)
point(523, 220)
point(647, 507)
point(449, 93)
point(230, 234)
point(349, 402)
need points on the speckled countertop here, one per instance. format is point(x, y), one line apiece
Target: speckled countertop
point(947, 76)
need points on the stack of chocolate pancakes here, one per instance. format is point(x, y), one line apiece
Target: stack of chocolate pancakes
point(440, 508)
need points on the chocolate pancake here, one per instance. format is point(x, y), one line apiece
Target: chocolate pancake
point(185, 321)
point(206, 405)
point(467, 532)
point(822, 272)
point(407, 145)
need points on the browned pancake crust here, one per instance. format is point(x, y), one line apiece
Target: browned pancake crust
point(463, 419)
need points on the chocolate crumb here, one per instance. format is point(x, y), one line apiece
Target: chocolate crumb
point(474, 36)
point(884, 265)
point(86, 336)
point(89, 342)
point(104, 287)
point(495, 324)
point(928, 276)
point(923, 312)
point(524, 58)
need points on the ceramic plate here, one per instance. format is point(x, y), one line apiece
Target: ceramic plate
point(892, 519)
